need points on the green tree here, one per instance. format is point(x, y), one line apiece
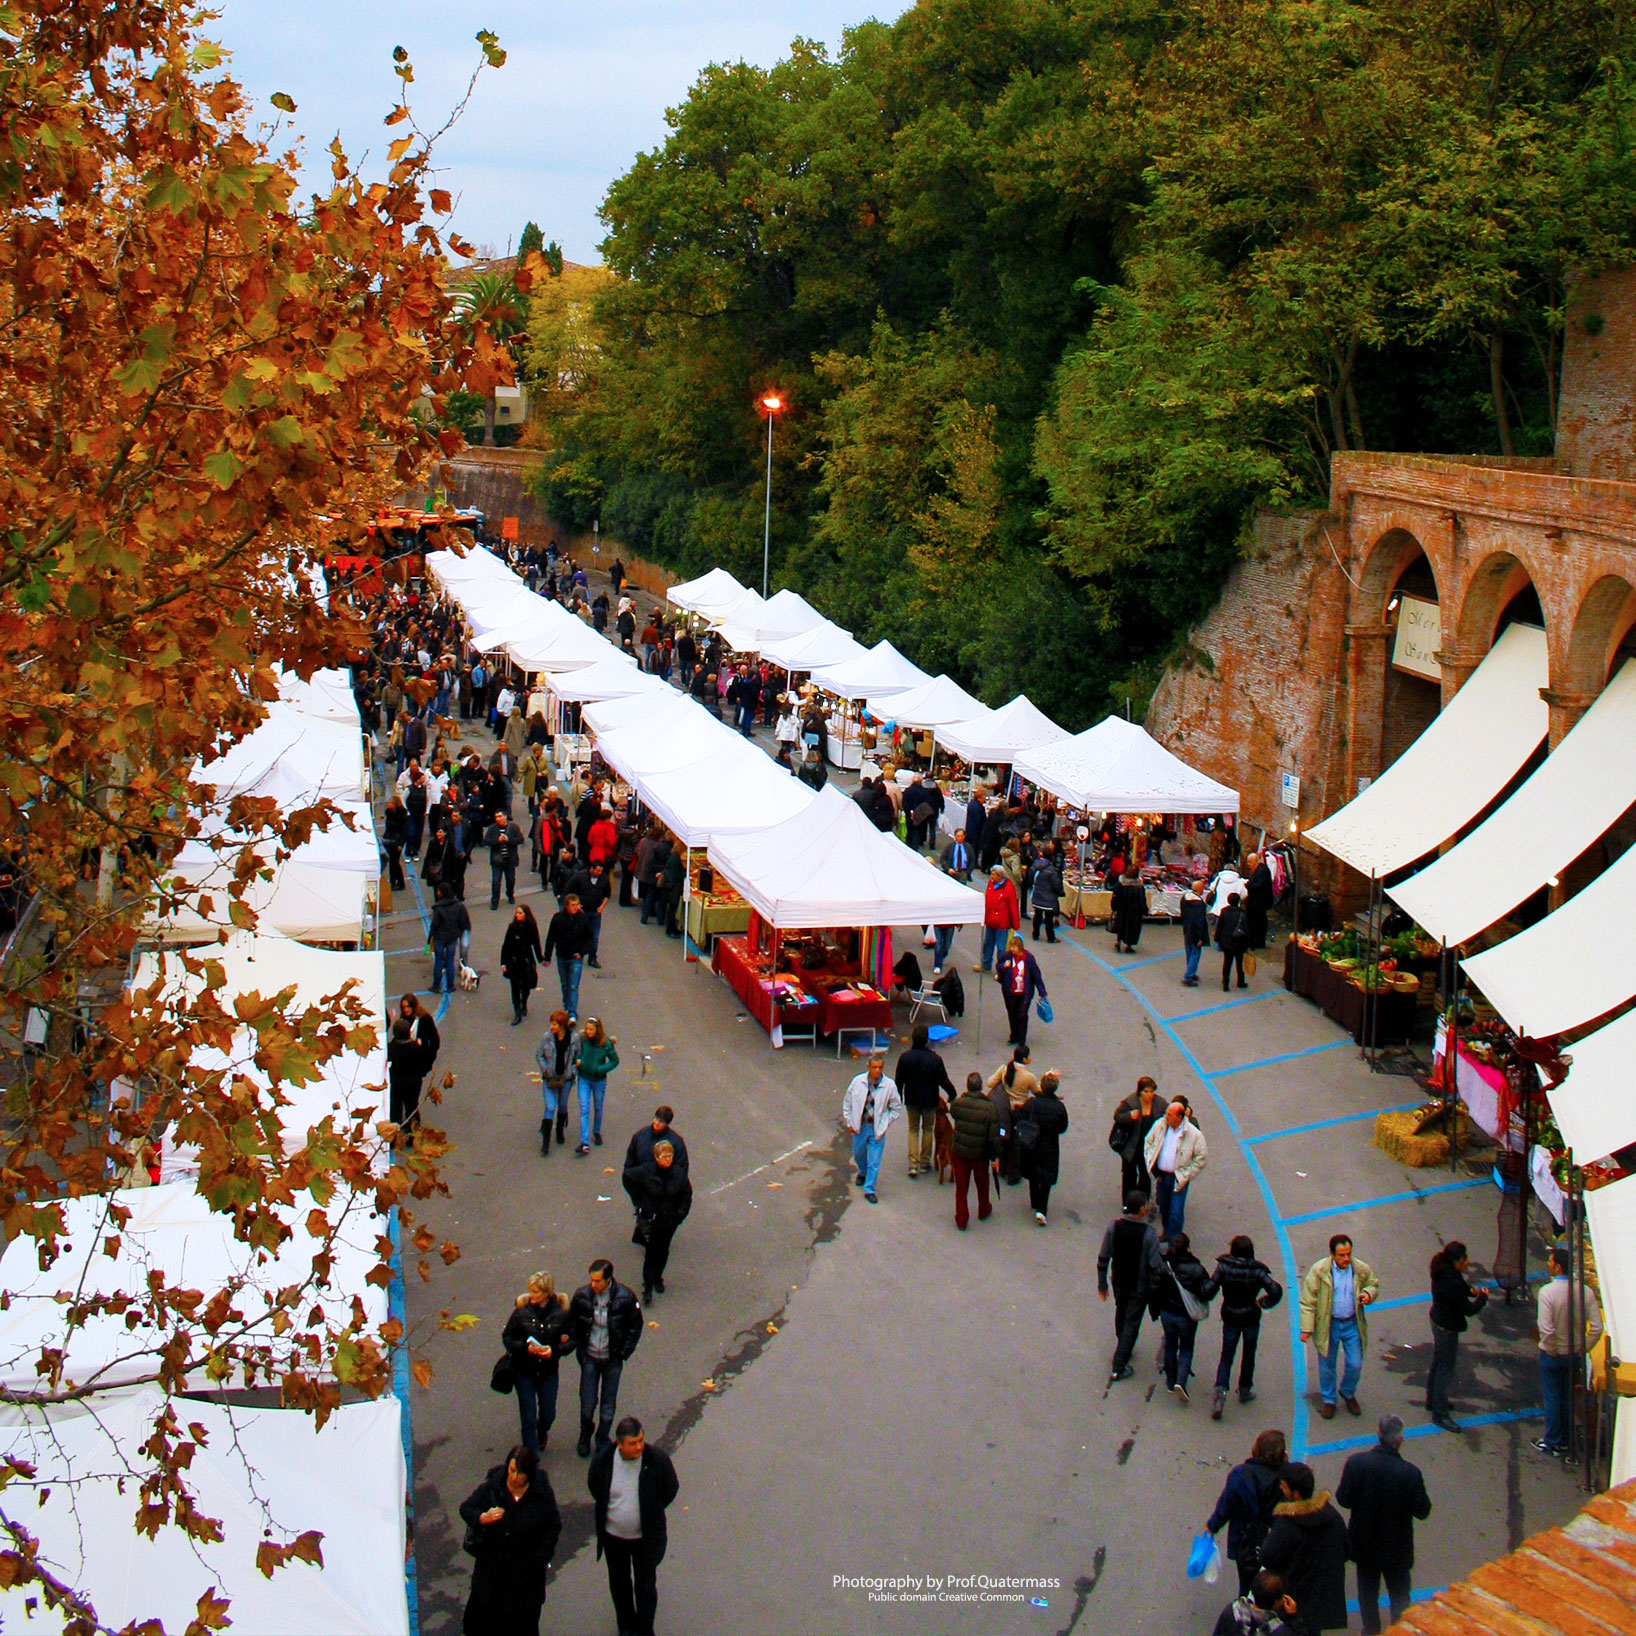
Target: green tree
point(491, 303)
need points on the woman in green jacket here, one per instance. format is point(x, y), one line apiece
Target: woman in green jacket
point(597, 1059)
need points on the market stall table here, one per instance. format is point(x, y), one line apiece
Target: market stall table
point(1487, 1094)
point(779, 1004)
point(852, 1007)
point(1340, 999)
point(711, 915)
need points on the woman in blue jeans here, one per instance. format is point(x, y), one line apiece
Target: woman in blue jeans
point(556, 1056)
point(597, 1059)
point(1184, 1279)
point(535, 1338)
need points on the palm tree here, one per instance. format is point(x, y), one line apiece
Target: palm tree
point(491, 301)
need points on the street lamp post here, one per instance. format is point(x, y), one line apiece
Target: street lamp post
point(772, 403)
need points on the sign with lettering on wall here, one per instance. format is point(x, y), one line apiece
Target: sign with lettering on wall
point(1290, 791)
point(1419, 636)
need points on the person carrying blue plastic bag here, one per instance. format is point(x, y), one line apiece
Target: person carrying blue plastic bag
point(1020, 982)
point(1204, 1560)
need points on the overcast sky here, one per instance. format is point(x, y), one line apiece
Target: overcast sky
point(584, 89)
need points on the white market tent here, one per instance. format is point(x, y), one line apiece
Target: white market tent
point(713, 593)
point(290, 758)
point(825, 644)
point(1462, 761)
point(661, 745)
point(560, 643)
point(260, 1470)
point(174, 1232)
point(933, 704)
point(998, 737)
point(1593, 1106)
point(878, 674)
point(616, 677)
point(300, 901)
point(1117, 766)
point(326, 695)
point(1571, 967)
point(784, 614)
point(635, 709)
point(727, 793)
point(1574, 798)
point(829, 866)
point(351, 850)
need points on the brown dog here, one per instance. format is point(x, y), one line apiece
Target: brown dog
point(943, 1145)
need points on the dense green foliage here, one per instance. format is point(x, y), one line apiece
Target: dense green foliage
point(1059, 291)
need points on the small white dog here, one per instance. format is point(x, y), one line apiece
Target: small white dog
point(469, 979)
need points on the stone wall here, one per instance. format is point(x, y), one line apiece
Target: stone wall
point(1258, 692)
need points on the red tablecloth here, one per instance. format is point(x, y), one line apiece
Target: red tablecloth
point(730, 959)
point(846, 1009)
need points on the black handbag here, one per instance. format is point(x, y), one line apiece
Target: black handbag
point(501, 1378)
point(643, 1230)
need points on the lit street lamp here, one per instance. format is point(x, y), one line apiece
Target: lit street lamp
point(772, 403)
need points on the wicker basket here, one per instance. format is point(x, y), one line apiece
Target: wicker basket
point(1396, 1136)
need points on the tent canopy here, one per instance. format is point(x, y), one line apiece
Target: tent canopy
point(1575, 797)
point(1612, 1214)
point(730, 792)
point(711, 593)
point(932, 704)
point(747, 628)
point(997, 737)
point(825, 644)
point(290, 758)
point(1455, 768)
point(616, 677)
point(662, 744)
point(347, 1481)
point(878, 674)
point(1117, 766)
point(301, 901)
point(174, 1232)
point(1571, 967)
point(829, 866)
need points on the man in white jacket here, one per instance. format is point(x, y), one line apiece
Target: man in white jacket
point(871, 1103)
point(1176, 1152)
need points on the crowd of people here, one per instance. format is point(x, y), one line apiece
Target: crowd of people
point(424, 691)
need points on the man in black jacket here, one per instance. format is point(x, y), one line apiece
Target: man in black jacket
point(504, 839)
point(1130, 1254)
point(1386, 1495)
point(1307, 1545)
point(640, 1150)
point(605, 1320)
point(975, 1143)
point(568, 937)
point(1195, 932)
point(924, 1081)
point(1248, 1289)
point(1257, 899)
point(631, 1484)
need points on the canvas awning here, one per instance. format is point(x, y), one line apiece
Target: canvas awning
point(610, 715)
point(259, 1471)
point(1611, 1211)
point(749, 629)
point(1594, 1107)
point(1455, 768)
point(678, 739)
point(616, 677)
point(1575, 797)
point(998, 737)
point(880, 673)
point(933, 704)
point(825, 644)
point(1116, 766)
point(711, 593)
point(829, 866)
point(1573, 966)
point(290, 758)
point(561, 643)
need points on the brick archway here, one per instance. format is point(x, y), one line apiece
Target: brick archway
point(1604, 618)
point(1392, 554)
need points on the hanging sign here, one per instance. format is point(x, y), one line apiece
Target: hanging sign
point(1419, 636)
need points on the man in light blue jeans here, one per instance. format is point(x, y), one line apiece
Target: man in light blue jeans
point(1334, 1295)
point(871, 1103)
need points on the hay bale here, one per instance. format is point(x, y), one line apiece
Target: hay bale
point(1397, 1136)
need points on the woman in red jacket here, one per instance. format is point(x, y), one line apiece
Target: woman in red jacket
point(1001, 916)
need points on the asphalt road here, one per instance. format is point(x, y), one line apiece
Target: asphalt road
point(855, 1393)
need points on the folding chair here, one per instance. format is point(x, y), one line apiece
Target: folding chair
point(925, 997)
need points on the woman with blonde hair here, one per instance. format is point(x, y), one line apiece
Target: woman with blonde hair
point(535, 1338)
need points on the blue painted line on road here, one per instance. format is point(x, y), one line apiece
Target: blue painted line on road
point(1222, 1005)
point(1472, 1422)
point(1388, 1198)
point(1324, 1124)
point(1286, 1248)
point(1286, 1056)
point(1423, 1595)
point(1420, 1300)
point(426, 926)
point(396, 1309)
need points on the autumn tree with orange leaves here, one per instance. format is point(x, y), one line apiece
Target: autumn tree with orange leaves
point(208, 381)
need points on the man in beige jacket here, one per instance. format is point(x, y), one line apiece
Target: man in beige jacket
point(1334, 1294)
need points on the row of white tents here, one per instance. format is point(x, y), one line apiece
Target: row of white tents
point(265, 1473)
point(801, 860)
point(1574, 966)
